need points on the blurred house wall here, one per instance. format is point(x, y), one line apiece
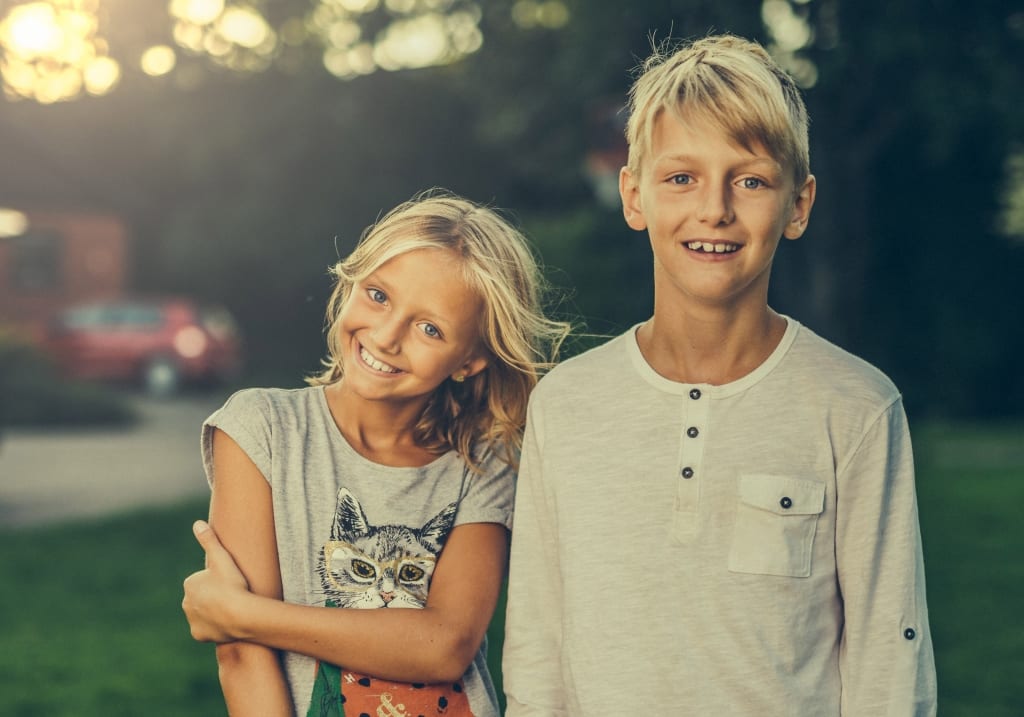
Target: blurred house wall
point(61, 258)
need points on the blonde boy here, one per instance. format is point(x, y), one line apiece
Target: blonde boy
point(716, 511)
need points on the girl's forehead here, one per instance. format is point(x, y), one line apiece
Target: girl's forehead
point(436, 257)
point(433, 280)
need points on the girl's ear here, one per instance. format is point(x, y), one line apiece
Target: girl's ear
point(471, 368)
point(632, 208)
point(801, 213)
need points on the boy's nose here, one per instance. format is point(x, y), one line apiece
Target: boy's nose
point(715, 206)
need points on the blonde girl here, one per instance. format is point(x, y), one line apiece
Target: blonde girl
point(387, 483)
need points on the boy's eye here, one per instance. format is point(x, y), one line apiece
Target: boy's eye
point(752, 183)
point(430, 330)
point(377, 296)
point(680, 179)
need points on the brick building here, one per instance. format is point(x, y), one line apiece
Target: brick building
point(57, 259)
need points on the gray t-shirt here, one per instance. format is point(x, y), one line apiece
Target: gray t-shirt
point(354, 533)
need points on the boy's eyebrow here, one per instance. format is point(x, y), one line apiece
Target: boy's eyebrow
point(742, 163)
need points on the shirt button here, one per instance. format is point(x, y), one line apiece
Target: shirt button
point(692, 432)
point(909, 633)
point(694, 393)
point(786, 502)
point(687, 472)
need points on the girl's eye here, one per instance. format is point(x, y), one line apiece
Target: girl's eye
point(752, 183)
point(431, 331)
point(377, 296)
point(680, 179)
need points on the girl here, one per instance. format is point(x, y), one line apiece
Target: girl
point(343, 494)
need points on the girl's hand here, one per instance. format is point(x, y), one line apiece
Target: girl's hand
point(212, 594)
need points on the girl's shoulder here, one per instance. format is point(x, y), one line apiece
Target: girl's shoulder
point(274, 400)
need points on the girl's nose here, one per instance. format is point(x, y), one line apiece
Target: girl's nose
point(387, 335)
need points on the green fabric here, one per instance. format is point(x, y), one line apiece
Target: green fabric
point(326, 698)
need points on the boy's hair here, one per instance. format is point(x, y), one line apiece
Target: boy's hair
point(497, 263)
point(730, 82)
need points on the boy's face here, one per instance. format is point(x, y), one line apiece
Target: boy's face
point(715, 213)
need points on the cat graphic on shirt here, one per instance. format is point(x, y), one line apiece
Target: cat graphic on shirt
point(367, 566)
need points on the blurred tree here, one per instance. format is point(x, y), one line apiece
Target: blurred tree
point(243, 185)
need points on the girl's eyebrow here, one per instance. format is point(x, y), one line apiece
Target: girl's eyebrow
point(442, 322)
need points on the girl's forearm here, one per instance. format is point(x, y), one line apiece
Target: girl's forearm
point(408, 645)
point(252, 680)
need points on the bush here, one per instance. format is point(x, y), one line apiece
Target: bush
point(32, 394)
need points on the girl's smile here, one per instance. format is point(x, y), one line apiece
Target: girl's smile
point(376, 364)
point(410, 325)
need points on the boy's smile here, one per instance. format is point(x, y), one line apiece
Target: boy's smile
point(715, 212)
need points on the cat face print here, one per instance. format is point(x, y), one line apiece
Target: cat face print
point(370, 566)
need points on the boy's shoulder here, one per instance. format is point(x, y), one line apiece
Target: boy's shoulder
point(600, 362)
point(823, 366)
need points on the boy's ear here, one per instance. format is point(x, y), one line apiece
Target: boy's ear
point(632, 208)
point(801, 213)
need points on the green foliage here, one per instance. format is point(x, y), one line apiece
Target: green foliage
point(92, 625)
point(258, 182)
point(971, 498)
point(31, 394)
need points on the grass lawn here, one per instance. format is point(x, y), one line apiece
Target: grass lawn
point(90, 618)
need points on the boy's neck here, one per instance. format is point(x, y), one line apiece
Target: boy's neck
point(711, 347)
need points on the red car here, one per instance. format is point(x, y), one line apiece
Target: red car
point(158, 343)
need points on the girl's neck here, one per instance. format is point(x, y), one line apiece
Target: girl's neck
point(380, 431)
point(714, 348)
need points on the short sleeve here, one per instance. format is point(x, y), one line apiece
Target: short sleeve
point(246, 418)
point(489, 494)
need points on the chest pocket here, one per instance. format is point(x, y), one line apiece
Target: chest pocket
point(776, 518)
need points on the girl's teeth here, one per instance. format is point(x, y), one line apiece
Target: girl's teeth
point(374, 363)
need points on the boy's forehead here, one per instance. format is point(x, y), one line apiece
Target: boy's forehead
point(681, 134)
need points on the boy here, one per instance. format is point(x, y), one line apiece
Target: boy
point(715, 512)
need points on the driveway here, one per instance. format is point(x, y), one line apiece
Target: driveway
point(53, 476)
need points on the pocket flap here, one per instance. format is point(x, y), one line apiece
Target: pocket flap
point(782, 495)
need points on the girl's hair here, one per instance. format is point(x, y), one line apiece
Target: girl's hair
point(521, 342)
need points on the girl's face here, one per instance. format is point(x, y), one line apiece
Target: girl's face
point(410, 325)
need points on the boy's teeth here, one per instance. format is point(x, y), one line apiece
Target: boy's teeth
point(712, 248)
point(374, 363)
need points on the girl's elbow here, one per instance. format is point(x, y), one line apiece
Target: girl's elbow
point(233, 657)
point(455, 658)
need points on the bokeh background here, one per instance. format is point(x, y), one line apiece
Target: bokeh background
point(229, 151)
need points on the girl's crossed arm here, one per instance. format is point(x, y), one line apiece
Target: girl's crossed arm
point(434, 644)
point(251, 675)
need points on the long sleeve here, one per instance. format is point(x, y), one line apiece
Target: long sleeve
point(886, 660)
point(531, 660)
